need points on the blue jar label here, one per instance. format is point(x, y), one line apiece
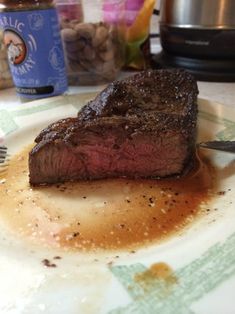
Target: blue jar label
point(35, 52)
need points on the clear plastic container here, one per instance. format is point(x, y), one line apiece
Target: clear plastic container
point(93, 48)
point(70, 11)
point(5, 75)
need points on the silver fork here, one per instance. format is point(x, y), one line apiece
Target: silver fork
point(3, 156)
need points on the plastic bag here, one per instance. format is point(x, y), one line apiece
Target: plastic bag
point(138, 15)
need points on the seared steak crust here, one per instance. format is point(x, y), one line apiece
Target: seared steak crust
point(142, 126)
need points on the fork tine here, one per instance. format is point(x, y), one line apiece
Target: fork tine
point(3, 151)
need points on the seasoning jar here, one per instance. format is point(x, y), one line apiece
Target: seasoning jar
point(5, 75)
point(34, 47)
point(93, 47)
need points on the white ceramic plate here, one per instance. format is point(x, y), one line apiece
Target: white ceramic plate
point(202, 257)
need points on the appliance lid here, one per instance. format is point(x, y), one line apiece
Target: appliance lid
point(210, 14)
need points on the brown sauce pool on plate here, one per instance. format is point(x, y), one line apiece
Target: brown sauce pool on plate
point(103, 214)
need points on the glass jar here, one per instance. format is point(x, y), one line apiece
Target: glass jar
point(34, 47)
point(93, 46)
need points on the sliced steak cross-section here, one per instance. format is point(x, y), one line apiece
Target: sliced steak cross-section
point(141, 127)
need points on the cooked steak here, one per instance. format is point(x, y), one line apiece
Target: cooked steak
point(141, 127)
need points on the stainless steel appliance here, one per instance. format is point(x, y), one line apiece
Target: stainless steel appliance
point(200, 36)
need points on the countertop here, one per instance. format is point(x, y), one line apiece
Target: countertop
point(223, 93)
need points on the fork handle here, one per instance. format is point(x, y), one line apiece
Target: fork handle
point(226, 146)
